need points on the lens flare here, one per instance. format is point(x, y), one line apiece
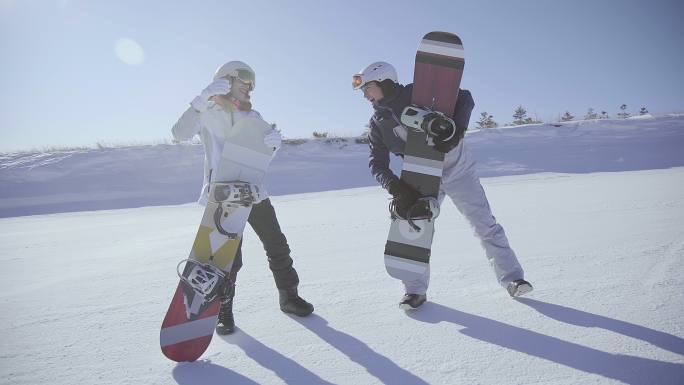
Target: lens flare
point(129, 52)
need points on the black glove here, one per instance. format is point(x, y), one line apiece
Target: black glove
point(403, 196)
point(445, 146)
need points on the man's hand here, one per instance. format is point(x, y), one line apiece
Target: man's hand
point(448, 145)
point(403, 195)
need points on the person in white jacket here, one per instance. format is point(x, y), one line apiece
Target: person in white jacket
point(211, 114)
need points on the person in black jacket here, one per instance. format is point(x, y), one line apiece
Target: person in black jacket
point(380, 87)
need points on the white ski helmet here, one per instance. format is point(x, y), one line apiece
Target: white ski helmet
point(375, 72)
point(236, 69)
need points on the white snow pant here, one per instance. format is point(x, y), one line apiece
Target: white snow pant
point(462, 185)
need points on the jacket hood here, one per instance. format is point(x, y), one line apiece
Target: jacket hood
point(396, 100)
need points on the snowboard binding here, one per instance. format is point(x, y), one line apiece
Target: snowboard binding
point(236, 193)
point(204, 278)
point(439, 127)
point(425, 208)
point(231, 194)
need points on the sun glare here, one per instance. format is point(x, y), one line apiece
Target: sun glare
point(129, 52)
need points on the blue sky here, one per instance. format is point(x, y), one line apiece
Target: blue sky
point(64, 85)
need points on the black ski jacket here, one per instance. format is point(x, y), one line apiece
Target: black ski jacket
point(382, 138)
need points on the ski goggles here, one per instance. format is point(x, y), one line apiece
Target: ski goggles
point(357, 81)
point(245, 77)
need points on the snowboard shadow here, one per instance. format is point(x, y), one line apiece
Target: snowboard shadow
point(284, 367)
point(207, 373)
point(581, 318)
point(621, 367)
point(375, 363)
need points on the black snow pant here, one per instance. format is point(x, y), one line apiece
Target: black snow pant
point(265, 224)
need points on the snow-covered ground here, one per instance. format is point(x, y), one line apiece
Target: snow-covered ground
point(137, 176)
point(84, 293)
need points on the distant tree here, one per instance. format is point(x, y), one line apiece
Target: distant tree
point(567, 117)
point(486, 121)
point(532, 121)
point(520, 116)
point(643, 111)
point(363, 138)
point(623, 114)
point(590, 114)
point(320, 135)
point(604, 115)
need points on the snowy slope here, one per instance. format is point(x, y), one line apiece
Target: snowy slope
point(84, 293)
point(63, 181)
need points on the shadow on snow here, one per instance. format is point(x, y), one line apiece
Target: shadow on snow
point(621, 367)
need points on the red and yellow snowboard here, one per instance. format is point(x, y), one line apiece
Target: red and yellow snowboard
point(189, 323)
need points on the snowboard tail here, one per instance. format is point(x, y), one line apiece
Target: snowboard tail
point(438, 71)
point(183, 338)
point(436, 80)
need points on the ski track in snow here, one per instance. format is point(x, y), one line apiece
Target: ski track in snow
point(85, 292)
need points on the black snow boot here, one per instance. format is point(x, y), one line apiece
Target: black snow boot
point(412, 301)
point(519, 287)
point(291, 302)
point(226, 323)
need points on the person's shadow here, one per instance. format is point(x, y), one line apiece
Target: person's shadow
point(581, 318)
point(284, 367)
point(206, 373)
point(621, 367)
point(375, 363)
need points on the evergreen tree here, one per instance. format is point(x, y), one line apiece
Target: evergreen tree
point(604, 115)
point(532, 121)
point(567, 117)
point(591, 114)
point(520, 116)
point(486, 121)
point(643, 111)
point(623, 114)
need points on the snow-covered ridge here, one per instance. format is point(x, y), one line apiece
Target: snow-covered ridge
point(163, 174)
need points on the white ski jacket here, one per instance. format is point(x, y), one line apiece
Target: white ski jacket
point(212, 125)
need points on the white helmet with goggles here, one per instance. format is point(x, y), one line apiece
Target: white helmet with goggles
point(236, 69)
point(375, 72)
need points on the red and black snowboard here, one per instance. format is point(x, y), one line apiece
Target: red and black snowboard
point(436, 81)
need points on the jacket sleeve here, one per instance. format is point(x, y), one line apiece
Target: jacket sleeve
point(379, 157)
point(187, 126)
point(464, 106)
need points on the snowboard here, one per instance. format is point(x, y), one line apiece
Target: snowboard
point(189, 323)
point(436, 80)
